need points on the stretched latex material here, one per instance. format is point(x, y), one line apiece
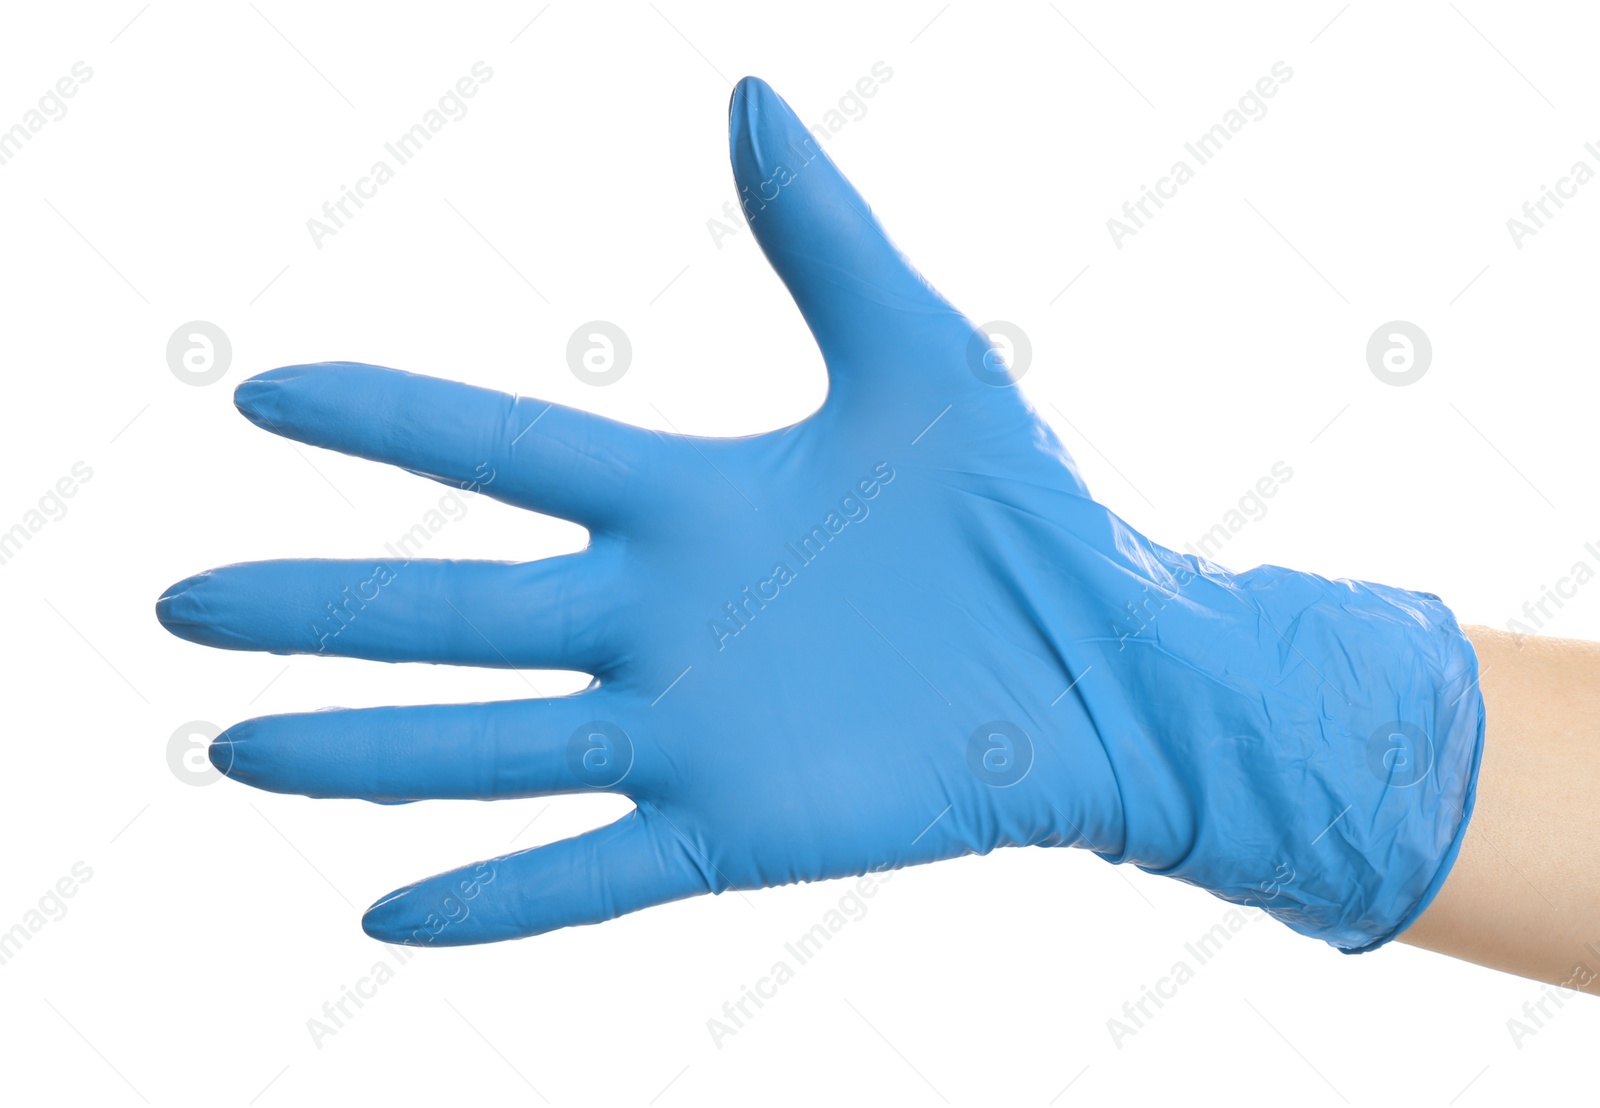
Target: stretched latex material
point(898, 631)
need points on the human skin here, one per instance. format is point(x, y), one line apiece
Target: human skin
point(1523, 895)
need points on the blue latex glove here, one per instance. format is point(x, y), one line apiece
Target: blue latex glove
point(895, 632)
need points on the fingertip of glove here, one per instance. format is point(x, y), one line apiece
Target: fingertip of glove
point(176, 608)
point(760, 126)
point(205, 609)
point(254, 396)
point(748, 87)
point(223, 752)
point(388, 919)
point(282, 400)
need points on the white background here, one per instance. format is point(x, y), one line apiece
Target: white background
point(1227, 335)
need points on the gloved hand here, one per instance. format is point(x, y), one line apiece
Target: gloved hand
point(895, 632)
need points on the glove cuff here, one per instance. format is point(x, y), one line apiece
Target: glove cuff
point(1444, 810)
point(1327, 763)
